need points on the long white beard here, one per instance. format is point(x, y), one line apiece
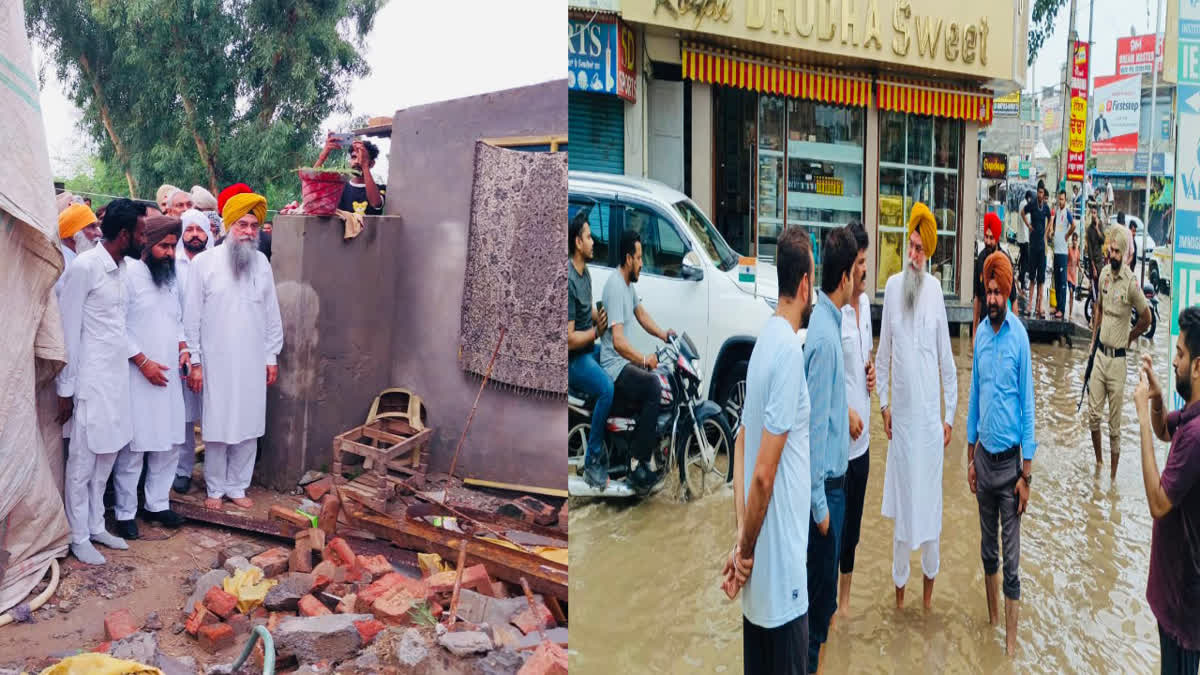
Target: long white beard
point(82, 243)
point(912, 286)
point(241, 254)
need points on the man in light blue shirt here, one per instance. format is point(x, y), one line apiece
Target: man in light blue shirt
point(1000, 423)
point(771, 463)
point(829, 435)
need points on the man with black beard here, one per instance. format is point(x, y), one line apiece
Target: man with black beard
point(93, 388)
point(154, 325)
point(194, 241)
point(233, 328)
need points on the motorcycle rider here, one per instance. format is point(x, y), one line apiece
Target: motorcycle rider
point(634, 381)
point(585, 326)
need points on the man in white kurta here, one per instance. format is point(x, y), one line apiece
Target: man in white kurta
point(93, 388)
point(194, 240)
point(917, 407)
point(231, 319)
point(154, 323)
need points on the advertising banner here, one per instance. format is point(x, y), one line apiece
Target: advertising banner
point(1077, 125)
point(1118, 101)
point(995, 165)
point(1135, 54)
point(1051, 114)
point(1008, 105)
point(600, 58)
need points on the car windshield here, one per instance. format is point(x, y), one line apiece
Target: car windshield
point(710, 239)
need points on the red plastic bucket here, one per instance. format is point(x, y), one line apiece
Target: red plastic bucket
point(320, 191)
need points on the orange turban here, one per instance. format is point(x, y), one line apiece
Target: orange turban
point(921, 220)
point(73, 219)
point(991, 224)
point(999, 267)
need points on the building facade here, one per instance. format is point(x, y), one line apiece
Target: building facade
point(814, 113)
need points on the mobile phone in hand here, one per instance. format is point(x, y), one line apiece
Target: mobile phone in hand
point(343, 139)
point(599, 306)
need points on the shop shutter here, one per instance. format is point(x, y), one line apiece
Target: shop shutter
point(596, 132)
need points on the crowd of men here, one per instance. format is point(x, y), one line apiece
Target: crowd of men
point(168, 310)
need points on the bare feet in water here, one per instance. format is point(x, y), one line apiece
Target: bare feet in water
point(928, 593)
point(899, 597)
point(243, 502)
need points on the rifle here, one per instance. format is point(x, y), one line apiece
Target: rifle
point(1087, 373)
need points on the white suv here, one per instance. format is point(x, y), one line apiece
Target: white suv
point(690, 276)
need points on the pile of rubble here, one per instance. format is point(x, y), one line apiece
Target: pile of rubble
point(324, 605)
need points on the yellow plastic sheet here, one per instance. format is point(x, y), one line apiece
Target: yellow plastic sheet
point(249, 587)
point(558, 555)
point(99, 664)
point(431, 564)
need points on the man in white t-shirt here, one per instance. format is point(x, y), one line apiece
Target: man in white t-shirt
point(771, 489)
point(1023, 241)
point(1061, 229)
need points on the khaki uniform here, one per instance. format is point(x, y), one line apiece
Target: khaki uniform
point(1120, 293)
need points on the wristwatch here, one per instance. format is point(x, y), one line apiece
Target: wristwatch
point(1027, 477)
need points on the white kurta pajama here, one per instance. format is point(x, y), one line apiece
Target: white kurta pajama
point(154, 323)
point(234, 330)
point(191, 400)
point(93, 306)
point(913, 346)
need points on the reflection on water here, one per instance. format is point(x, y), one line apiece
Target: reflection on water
point(644, 577)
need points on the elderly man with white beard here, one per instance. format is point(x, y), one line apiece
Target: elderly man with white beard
point(194, 241)
point(231, 319)
point(78, 231)
point(154, 324)
point(914, 343)
point(93, 388)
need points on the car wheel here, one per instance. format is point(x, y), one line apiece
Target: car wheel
point(732, 393)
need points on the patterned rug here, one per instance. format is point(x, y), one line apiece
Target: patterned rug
point(516, 273)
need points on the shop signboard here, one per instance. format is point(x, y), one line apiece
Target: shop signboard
point(1135, 54)
point(1077, 129)
point(1007, 106)
point(1160, 164)
point(1023, 168)
point(1118, 101)
point(1185, 263)
point(995, 165)
point(600, 58)
point(1051, 109)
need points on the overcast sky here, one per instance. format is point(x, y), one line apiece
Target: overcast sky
point(1113, 19)
point(419, 52)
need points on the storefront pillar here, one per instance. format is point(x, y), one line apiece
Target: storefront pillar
point(702, 146)
point(969, 214)
point(871, 193)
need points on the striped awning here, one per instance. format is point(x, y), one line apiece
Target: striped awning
point(733, 70)
point(924, 100)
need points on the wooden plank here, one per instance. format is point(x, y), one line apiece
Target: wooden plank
point(193, 511)
point(513, 487)
point(381, 435)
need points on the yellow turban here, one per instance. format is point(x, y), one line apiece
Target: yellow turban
point(241, 204)
point(73, 219)
point(922, 221)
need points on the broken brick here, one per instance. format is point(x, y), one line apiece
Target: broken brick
point(339, 552)
point(311, 606)
point(388, 582)
point(498, 590)
point(240, 623)
point(393, 608)
point(375, 566)
point(200, 617)
point(215, 637)
point(346, 606)
point(300, 559)
point(331, 506)
point(273, 561)
point(245, 549)
point(549, 659)
point(330, 571)
point(531, 620)
point(282, 513)
point(103, 647)
point(318, 489)
point(260, 612)
point(219, 602)
point(315, 537)
point(119, 624)
point(474, 577)
point(530, 510)
point(367, 630)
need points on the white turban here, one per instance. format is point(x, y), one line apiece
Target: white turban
point(194, 217)
point(203, 199)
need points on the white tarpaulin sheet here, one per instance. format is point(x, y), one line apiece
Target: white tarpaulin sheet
point(33, 525)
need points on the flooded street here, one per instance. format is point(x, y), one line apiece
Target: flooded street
point(648, 573)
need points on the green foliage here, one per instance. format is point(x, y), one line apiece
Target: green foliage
point(204, 92)
point(1041, 24)
point(422, 615)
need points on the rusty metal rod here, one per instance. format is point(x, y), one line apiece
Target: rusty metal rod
point(532, 608)
point(462, 563)
point(486, 377)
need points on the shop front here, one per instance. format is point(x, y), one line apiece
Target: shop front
point(601, 81)
point(818, 113)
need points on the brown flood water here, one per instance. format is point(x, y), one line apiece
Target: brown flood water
point(645, 577)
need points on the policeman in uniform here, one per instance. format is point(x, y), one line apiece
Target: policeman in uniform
point(1119, 292)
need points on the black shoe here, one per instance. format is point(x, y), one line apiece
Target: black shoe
point(182, 484)
point(127, 529)
point(642, 480)
point(595, 476)
point(165, 517)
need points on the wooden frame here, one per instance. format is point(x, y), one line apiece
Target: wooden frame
point(553, 141)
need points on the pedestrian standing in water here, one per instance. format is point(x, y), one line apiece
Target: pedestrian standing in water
point(1173, 588)
point(860, 384)
point(1119, 293)
point(771, 465)
point(1000, 440)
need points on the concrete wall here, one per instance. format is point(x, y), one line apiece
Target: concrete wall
point(384, 309)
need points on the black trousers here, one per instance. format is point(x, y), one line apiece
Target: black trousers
point(781, 650)
point(639, 390)
point(1175, 659)
point(856, 494)
point(1023, 263)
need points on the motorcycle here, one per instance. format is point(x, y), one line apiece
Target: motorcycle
point(691, 431)
point(1150, 291)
